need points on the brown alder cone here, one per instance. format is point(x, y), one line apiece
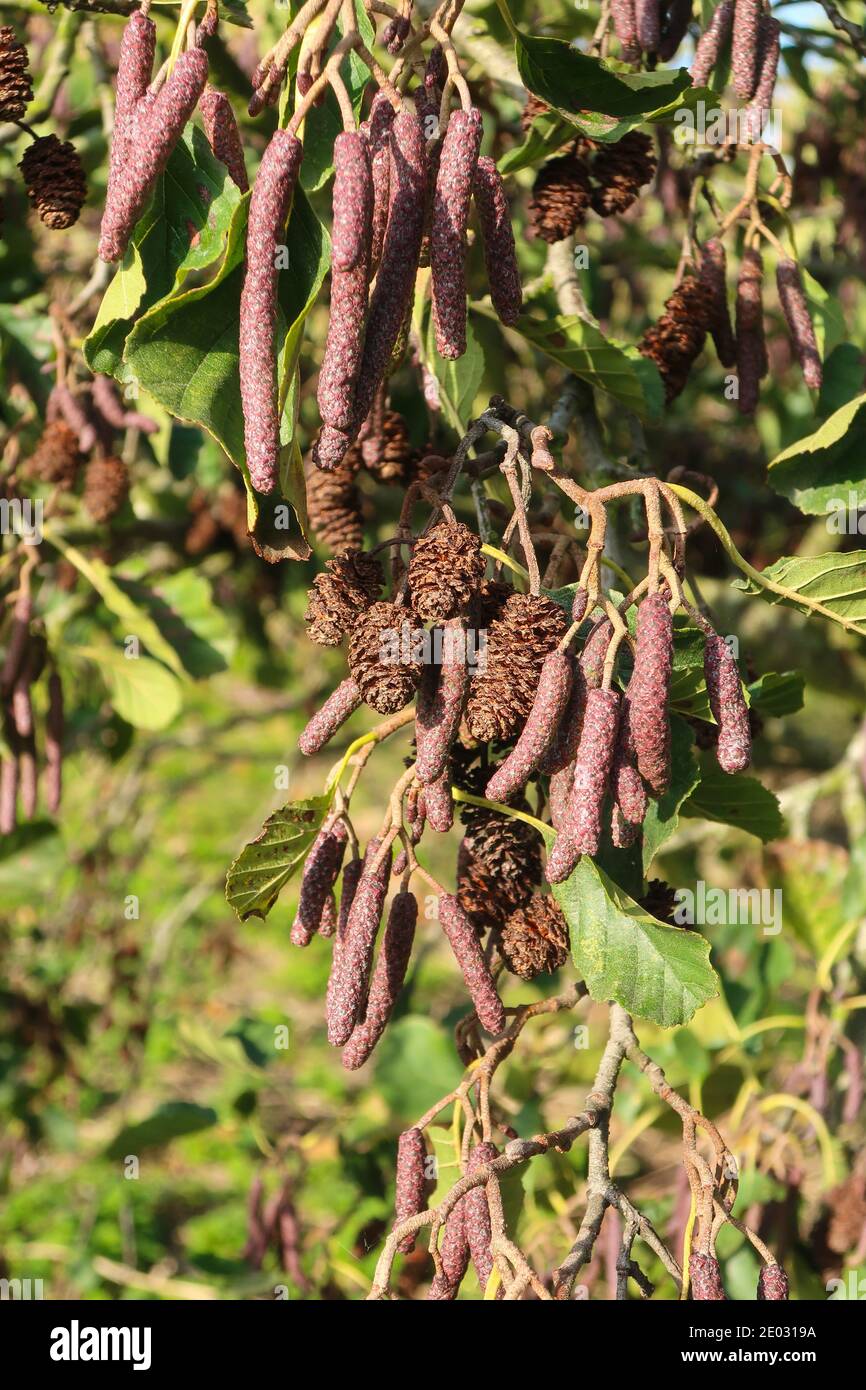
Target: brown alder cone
point(56, 458)
point(54, 176)
point(498, 864)
point(457, 161)
point(411, 1182)
point(744, 47)
point(334, 503)
point(752, 364)
point(561, 196)
point(346, 587)
point(714, 276)
point(677, 338)
point(792, 297)
point(649, 692)
point(445, 571)
point(621, 170)
point(535, 938)
point(519, 637)
point(381, 658)
point(772, 1284)
point(386, 450)
point(705, 1279)
point(16, 84)
point(106, 485)
point(469, 956)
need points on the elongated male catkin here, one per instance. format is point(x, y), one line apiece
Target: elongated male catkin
point(19, 636)
point(559, 793)
point(479, 1232)
point(454, 1255)
point(375, 131)
point(796, 310)
point(629, 792)
point(539, 731)
point(497, 236)
point(592, 771)
point(751, 348)
point(351, 878)
point(326, 721)
point(769, 48)
point(153, 132)
point(321, 868)
point(134, 70)
point(439, 805)
point(440, 705)
point(744, 47)
point(649, 24)
point(356, 949)
point(388, 977)
point(711, 42)
point(448, 231)
point(565, 853)
point(725, 693)
point(625, 27)
point(713, 274)
point(352, 232)
point(224, 138)
point(54, 724)
point(594, 652)
point(411, 1194)
point(269, 209)
point(397, 268)
point(649, 692)
point(563, 749)
point(469, 956)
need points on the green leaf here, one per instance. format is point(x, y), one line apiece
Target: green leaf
point(170, 1121)
point(826, 471)
point(844, 371)
point(739, 801)
point(583, 349)
point(836, 581)
point(574, 83)
point(662, 816)
point(263, 867)
point(777, 693)
point(655, 971)
point(183, 609)
point(141, 691)
point(415, 1065)
point(458, 381)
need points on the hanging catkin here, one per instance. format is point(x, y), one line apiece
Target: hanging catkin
point(625, 27)
point(439, 805)
point(772, 1284)
point(744, 47)
point(470, 957)
point(326, 721)
point(411, 1193)
point(388, 977)
point(629, 793)
point(448, 231)
point(714, 275)
point(440, 705)
point(375, 131)
point(321, 868)
point(711, 42)
point(152, 134)
point(269, 209)
point(551, 698)
point(675, 22)
point(751, 349)
point(725, 694)
point(592, 770)
point(649, 692)
point(349, 996)
point(563, 747)
point(396, 276)
point(792, 297)
point(649, 24)
point(477, 1216)
point(497, 237)
point(352, 231)
point(453, 1254)
point(224, 138)
point(705, 1278)
point(134, 69)
point(769, 48)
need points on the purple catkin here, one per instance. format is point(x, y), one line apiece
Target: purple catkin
point(353, 210)
point(677, 14)
point(328, 919)
point(19, 636)
point(54, 744)
point(411, 1188)
point(153, 132)
point(497, 237)
point(134, 69)
point(375, 131)
point(396, 32)
point(28, 780)
point(439, 709)
point(223, 135)
point(321, 868)
point(112, 410)
point(796, 310)
point(563, 748)
point(725, 693)
point(592, 772)
point(269, 208)
point(649, 692)
point(388, 977)
point(352, 201)
point(578, 604)
point(439, 805)
point(594, 652)
point(470, 957)
point(744, 47)
point(559, 793)
point(454, 1255)
point(349, 996)
point(622, 832)
point(539, 731)
point(648, 21)
point(351, 877)
point(476, 1215)
point(714, 276)
point(772, 1284)
point(769, 48)
point(751, 348)
point(629, 792)
point(710, 43)
point(705, 1279)
point(326, 721)
point(448, 231)
point(401, 864)
point(22, 706)
point(75, 415)
point(396, 278)
point(565, 853)
point(625, 27)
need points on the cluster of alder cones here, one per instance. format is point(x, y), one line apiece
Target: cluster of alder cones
point(51, 168)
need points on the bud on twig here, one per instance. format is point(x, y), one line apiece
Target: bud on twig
point(388, 977)
point(334, 712)
point(448, 231)
point(469, 956)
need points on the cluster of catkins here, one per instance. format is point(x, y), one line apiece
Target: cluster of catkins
point(699, 305)
point(23, 663)
point(51, 168)
point(755, 39)
point(705, 1281)
point(81, 423)
point(650, 28)
point(149, 118)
